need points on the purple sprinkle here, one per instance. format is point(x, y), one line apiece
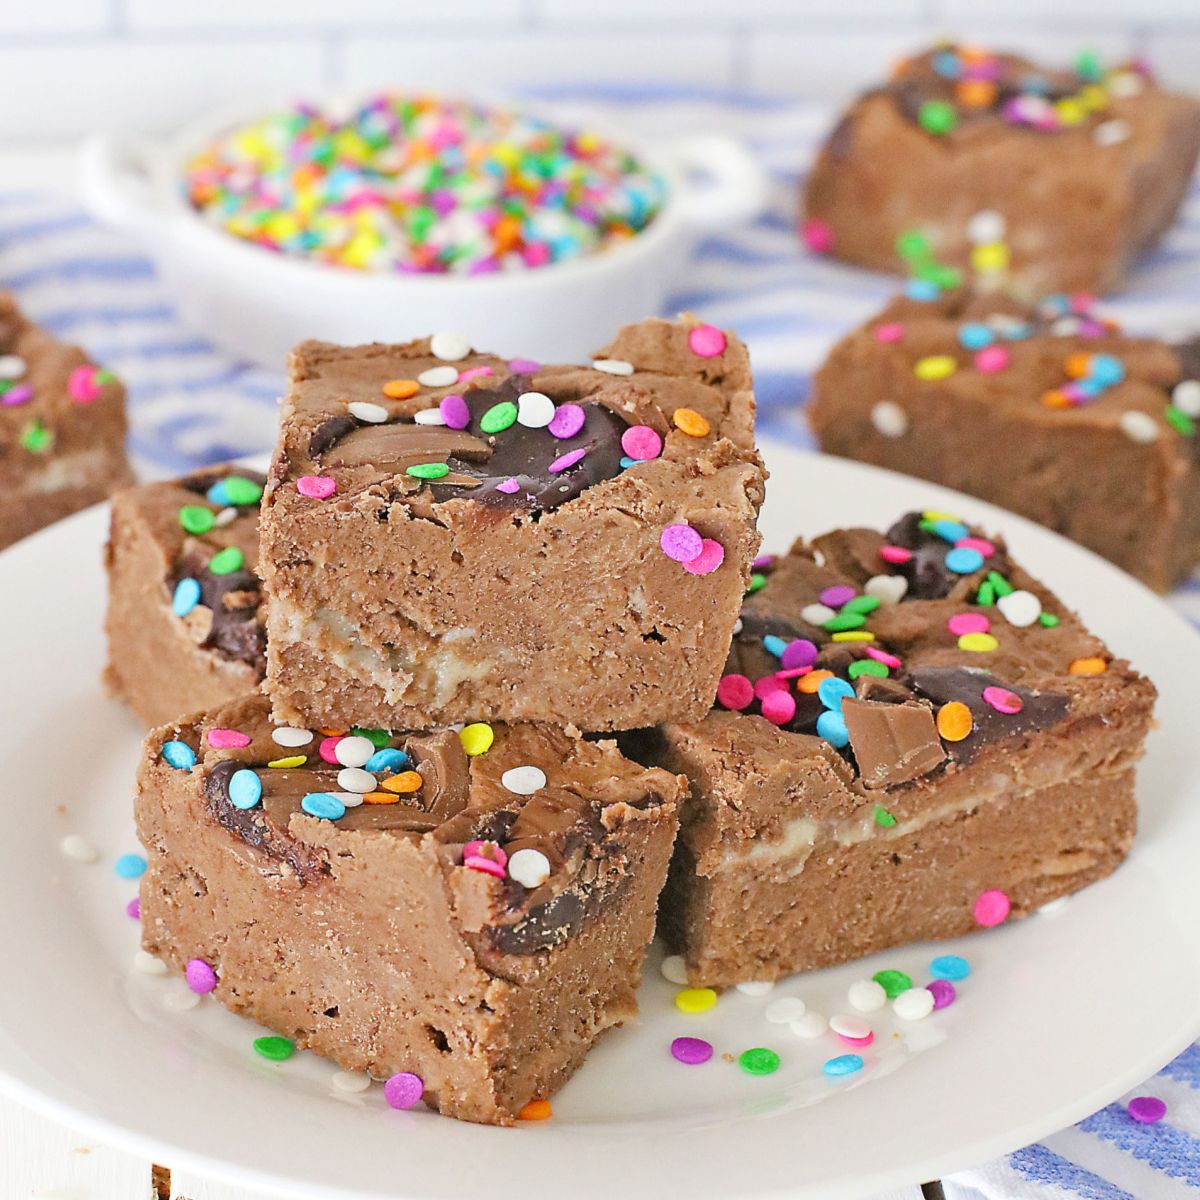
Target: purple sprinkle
point(943, 993)
point(565, 462)
point(681, 543)
point(837, 595)
point(1147, 1109)
point(692, 1051)
point(403, 1090)
point(201, 978)
point(763, 562)
point(134, 909)
point(18, 395)
point(524, 366)
point(455, 412)
point(508, 487)
point(798, 653)
point(567, 421)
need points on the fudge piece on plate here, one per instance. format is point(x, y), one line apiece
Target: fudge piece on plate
point(185, 627)
point(1048, 411)
point(446, 535)
point(1058, 178)
point(467, 910)
point(62, 428)
point(913, 739)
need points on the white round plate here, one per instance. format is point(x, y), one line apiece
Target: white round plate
point(1061, 1014)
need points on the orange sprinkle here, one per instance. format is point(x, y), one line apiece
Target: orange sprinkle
point(380, 798)
point(1055, 399)
point(332, 732)
point(1087, 666)
point(406, 781)
point(691, 422)
point(535, 1110)
point(809, 683)
point(1078, 364)
point(954, 721)
point(401, 389)
point(976, 93)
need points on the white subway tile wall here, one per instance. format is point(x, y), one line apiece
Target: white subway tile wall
point(68, 67)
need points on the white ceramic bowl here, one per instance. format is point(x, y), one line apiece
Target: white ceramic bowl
point(258, 304)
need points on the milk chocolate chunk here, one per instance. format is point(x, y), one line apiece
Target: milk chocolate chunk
point(892, 743)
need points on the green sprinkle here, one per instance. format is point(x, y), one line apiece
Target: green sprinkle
point(430, 470)
point(757, 580)
point(1181, 421)
point(893, 982)
point(883, 817)
point(277, 1049)
point(912, 243)
point(242, 491)
point(867, 666)
point(844, 621)
point(195, 518)
point(945, 277)
point(1048, 619)
point(1087, 64)
point(36, 438)
point(759, 1061)
point(937, 116)
point(499, 417)
point(226, 561)
point(861, 604)
point(1002, 586)
point(986, 595)
point(377, 737)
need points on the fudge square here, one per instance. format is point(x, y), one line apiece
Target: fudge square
point(1060, 179)
point(1048, 411)
point(446, 535)
point(913, 739)
point(185, 623)
point(62, 428)
point(466, 912)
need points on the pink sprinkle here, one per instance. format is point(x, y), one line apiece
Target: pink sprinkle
point(837, 595)
point(227, 739)
point(18, 395)
point(524, 366)
point(489, 866)
point(779, 707)
point(817, 235)
point(455, 412)
point(201, 978)
point(735, 692)
point(986, 548)
point(888, 660)
point(991, 359)
point(711, 556)
point(508, 487)
point(1002, 700)
point(1082, 302)
point(134, 908)
point(890, 331)
point(992, 908)
point(328, 749)
point(853, 1041)
point(962, 623)
point(793, 673)
point(692, 1051)
point(473, 373)
point(489, 850)
point(895, 554)
point(943, 991)
point(681, 543)
point(799, 652)
point(82, 385)
point(1146, 1110)
point(403, 1089)
point(316, 487)
point(567, 421)
point(763, 562)
point(641, 442)
point(564, 462)
point(706, 341)
point(766, 684)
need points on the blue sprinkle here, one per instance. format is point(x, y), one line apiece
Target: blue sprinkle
point(949, 966)
point(946, 64)
point(245, 788)
point(1018, 332)
point(1087, 387)
point(627, 462)
point(951, 531)
point(963, 560)
point(1106, 369)
point(323, 804)
point(1038, 84)
point(179, 755)
point(922, 289)
point(1055, 305)
point(774, 645)
point(832, 727)
point(130, 866)
point(187, 596)
point(387, 759)
point(844, 1064)
point(831, 692)
point(217, 494)
point(974, 336)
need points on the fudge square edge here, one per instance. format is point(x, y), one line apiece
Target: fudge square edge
point(914, 739)
point(447, 535)
point(473, 924)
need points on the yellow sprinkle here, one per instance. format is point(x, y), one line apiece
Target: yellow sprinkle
point(1070, 111)
point(991, 256)
point(689, 421)
point(1093, 97)
point(980, 643)
point(1087, 666)
point(293, 760)
point(854, 635)
point(477, 738)
point(406, 781)
point(934, 367)
point(934, 514)
point(695, 1000)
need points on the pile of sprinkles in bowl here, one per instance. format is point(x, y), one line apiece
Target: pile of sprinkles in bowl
point(421, 184)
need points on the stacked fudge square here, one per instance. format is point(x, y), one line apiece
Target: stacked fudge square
point(403, 852)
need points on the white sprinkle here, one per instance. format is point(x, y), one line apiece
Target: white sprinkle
point(181, 999)
point(373, 414)
point(350, 1081)
point(1065, 327)
point(889, 419)
point(144, 963)
point(756, 987)
point(811, 1025)
point(674, 969)
point(1020, 608)
point(529, 867)
point(355, 779)
point(1110, 133)
point(289, 735)
point(816, 614)
point(353, 751)
point(1139, 426)
point(613, 366)
point(12, 366)
point(1053, 906)
point(534, 410)
point(437, 377)
point(865, 995)
point(1186, 397)
point(524, 780)
point(848, 1025)
point(737, 625)
point(785, 1010)
point(913, 1004)
point(986, 226)
point(78, 848)
point(349, 799)
point(449, 346)
point(226, 516)
point(429, 416)
point(887, 589)
point(1124, 84)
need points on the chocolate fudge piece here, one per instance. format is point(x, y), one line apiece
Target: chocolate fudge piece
point(471, 909)
point(913, 738)
point(62, 428)
point(1048, 411)
point(185, 623)
point(1058, 178)
point(446, 535)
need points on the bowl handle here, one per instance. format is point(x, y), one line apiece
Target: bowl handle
point(114, 179)
point(723, 183)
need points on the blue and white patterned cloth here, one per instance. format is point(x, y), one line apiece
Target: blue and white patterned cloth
point(190, 405)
